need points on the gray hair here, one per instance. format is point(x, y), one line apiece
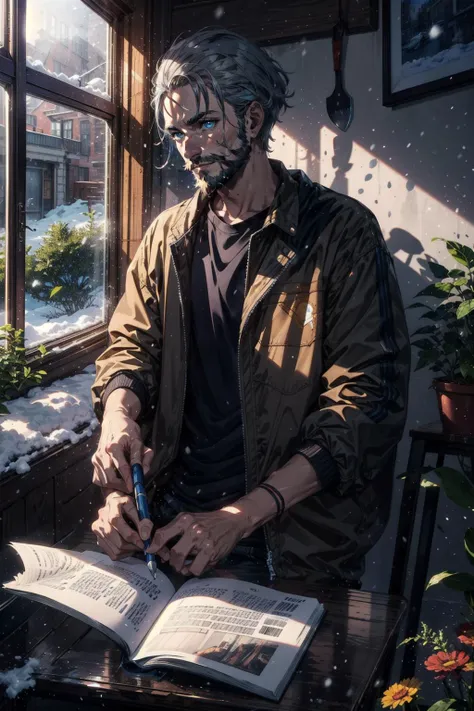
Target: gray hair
point(236, 70)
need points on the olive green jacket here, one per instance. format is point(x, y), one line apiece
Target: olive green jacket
point(323, 359)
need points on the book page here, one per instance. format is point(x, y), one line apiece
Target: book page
point(120, 596)
point(248, 632)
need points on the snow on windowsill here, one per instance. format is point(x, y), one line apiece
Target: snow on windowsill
point(44, 418)
point(96, 86)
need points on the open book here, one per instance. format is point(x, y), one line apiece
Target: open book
point(247, 635)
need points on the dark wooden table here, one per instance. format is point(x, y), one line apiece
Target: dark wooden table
point(80, 665)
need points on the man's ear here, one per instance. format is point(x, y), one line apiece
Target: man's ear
point(254, 117)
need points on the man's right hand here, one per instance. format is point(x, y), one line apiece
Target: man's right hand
point(114, 534)
point(120, 444)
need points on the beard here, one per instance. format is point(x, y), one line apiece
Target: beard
point(229, 166)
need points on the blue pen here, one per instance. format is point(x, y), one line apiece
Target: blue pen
point(142, 507)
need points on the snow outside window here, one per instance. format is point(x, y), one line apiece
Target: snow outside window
point(68, 43)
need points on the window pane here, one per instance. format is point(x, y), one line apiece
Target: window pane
point(65, 178)
point(3, 117)
point(69, 41)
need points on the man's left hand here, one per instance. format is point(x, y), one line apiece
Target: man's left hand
point(207, 536)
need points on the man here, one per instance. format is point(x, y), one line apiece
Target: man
point(261, 342)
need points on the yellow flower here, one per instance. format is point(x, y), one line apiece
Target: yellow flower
point(402, 693)
point(468, 667)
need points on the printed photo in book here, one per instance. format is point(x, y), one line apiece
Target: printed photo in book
point(250, 636)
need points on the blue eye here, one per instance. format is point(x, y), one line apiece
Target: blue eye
point(177, 135)
point(205, 124)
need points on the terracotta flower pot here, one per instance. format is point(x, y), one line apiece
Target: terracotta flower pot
point(456, 407)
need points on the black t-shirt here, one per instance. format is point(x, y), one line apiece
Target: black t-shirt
point(210, 472)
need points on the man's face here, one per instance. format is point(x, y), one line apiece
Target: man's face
point(214, 152)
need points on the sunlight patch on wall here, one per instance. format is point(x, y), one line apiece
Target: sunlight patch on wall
point(407, 214)
point(293, 154)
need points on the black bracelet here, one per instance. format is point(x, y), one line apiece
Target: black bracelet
point(274, 497)
point(277, 497)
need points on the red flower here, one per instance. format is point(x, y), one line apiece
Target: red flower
point(447, 663)
point(465, 633)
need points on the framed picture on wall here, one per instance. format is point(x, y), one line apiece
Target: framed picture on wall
point(428, 46)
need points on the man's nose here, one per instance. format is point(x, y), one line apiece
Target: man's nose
point(192, 150)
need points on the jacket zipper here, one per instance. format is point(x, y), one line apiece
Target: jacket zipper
point(269, 558)
point(175, 451)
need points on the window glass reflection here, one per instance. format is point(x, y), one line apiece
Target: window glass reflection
point(65, 236)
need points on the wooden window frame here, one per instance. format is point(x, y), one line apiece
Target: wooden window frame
point(129, 83)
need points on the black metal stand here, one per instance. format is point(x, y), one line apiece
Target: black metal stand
point(429, 439)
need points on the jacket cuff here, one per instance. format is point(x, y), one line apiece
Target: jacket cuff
point(125, 380)
point(323, 464)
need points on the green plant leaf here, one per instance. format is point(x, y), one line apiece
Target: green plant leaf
point(455, 581)
point(440, 289)
point(469, 544)
point(417, 305)
point(465, 308)
point(466, 367)
point(455, 273)
point(460, 581)
point(55, 291)
point(456, 487)
point(462, 253)
point(438, 270)
point(440, 363)
point(461, 282)
point(433, 315)
point(450, 348)
point(438, 578)
point(442, 705)
point(469, 598)
point(425, 344)
point(16, 374)
point(426, 484)
point(453, 338)
point(427, 357)
point(424, 329)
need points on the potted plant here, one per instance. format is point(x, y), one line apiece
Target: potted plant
point(446, 342)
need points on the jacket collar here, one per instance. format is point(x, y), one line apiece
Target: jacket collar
point(283, 211)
